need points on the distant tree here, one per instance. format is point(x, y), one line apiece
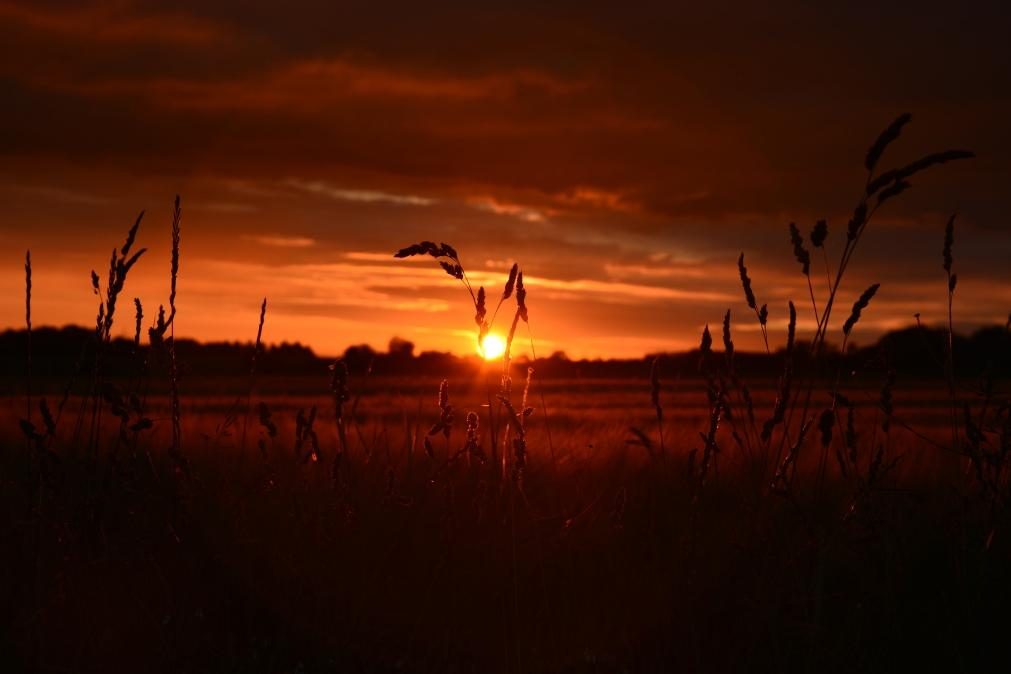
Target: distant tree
point(359, 358)
point(401, 348)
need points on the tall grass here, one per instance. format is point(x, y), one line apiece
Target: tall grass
point(252, 374)
point(28, 330)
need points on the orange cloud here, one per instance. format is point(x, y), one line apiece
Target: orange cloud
point(597, 198)
point(498, 207)
point(282, 241)
point(358, 195)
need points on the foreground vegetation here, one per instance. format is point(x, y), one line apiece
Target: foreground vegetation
point(798, 524)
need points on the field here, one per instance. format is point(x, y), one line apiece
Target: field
point(604, 560)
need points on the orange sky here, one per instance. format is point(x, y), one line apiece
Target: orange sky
point(624, 159)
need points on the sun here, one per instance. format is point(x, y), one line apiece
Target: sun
point(492, 347)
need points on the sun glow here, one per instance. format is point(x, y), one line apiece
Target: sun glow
point(492, 347)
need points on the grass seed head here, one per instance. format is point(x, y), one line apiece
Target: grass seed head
point(858, 307)
point(893, 190)
point(890, 133)
point(909, 170)
point(728, 343)
point(801, 253)
point(138, 317)
point(749, 294)
point(510, 282)
point(706, 345)
point(480, 315)
point(856, 222)
point(819, 234)
point(453, 269)
point(521, 298)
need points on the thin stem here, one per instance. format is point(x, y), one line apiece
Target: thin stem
point(544, 405)
point(252, 375)
point(951, 366)
point(828, 270)
point(814, 305)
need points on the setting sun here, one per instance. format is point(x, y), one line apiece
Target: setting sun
point(491, 347)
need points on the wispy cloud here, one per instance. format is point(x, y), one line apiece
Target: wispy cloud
point(61, 194)
point(498, 207)
point(224, 207)
point(631, 271)
point(631, 291)
point(379, 270)
point(281, 240)
point(249, 188)
point(329, 191)
point(583, 197)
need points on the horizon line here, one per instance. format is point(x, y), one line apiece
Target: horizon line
point(524, 358)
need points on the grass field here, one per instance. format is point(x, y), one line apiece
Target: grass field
point(606, 560)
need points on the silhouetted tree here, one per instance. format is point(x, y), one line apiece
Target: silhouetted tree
point(401, 348)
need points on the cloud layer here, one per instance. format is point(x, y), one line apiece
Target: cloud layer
point(623, 158)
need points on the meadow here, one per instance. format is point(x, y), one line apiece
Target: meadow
point(831, 518)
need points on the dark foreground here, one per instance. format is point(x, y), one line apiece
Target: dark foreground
point(611, 558)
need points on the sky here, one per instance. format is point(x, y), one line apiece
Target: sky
point(623, 155)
